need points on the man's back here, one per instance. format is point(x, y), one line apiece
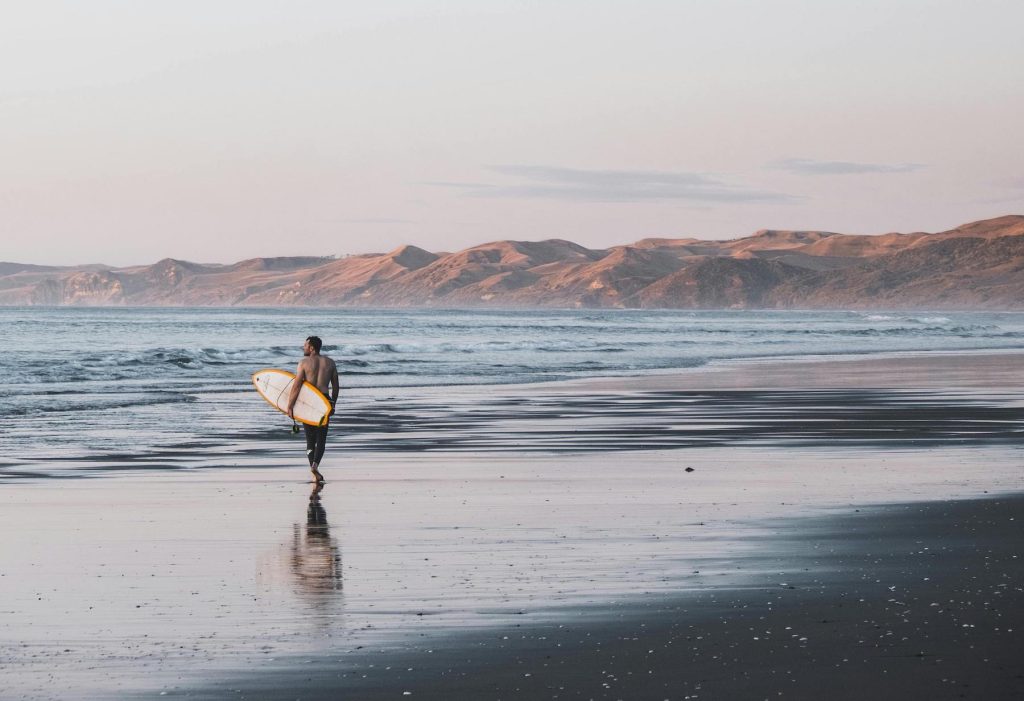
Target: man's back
point(319, 369)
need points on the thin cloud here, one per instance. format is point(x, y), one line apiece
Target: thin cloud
point(576, 185)
point(809, 166)
point(1016, 183)
point(455, 184)
point(375, 221)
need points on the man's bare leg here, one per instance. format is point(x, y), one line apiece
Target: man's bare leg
point(317, 477)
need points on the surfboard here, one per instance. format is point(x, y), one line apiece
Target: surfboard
point(275, 386)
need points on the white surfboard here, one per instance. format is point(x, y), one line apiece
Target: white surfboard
point(275, 386)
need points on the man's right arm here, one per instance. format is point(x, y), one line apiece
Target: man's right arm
point(335, 386)
point(293, 396)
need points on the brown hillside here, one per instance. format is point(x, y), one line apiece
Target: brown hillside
point(962, 273)
point(977, 265)
point(717, 283)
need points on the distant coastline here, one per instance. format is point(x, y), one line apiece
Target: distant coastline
point(976, 266)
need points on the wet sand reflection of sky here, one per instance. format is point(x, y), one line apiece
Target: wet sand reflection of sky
point(315, 557)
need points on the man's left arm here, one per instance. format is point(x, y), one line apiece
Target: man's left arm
point(293, 396)
point(335, 386)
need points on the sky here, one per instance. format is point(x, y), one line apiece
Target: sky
point(215, 131)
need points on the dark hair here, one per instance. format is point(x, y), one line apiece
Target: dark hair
point(315, 342)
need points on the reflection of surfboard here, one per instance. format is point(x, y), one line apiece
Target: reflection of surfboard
point(311, 407)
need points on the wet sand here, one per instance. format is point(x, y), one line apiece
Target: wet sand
point(881, 402)
point(179, 583)
point(985, 370)
point(631, 567)
point(921, 601)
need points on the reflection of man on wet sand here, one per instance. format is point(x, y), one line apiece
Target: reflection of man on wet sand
point(315, 560)
point(319, 371)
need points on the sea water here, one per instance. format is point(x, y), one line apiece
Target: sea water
point(90, 388)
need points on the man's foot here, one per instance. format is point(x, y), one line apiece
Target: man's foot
point(317, 477)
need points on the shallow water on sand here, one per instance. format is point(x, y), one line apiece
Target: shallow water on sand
point(153, 581)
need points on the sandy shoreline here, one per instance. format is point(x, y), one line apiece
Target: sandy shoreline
point(185, 581)
point(150, 583)
point(880, 401)
point(921, 601)
point(983, 369)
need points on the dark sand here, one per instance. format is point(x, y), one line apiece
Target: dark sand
point(917, 601)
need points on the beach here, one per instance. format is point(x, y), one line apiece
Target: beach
point(772, 536)
point(915, 601)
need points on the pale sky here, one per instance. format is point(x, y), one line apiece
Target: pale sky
point(215, 131)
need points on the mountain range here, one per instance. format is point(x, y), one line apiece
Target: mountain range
point(974, 266)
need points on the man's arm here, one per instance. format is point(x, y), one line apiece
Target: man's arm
point(293, 396)
point(335, 386)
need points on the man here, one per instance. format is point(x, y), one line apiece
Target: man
point(319, 371)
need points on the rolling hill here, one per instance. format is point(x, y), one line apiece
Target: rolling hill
point(975, 266)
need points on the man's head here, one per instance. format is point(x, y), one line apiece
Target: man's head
point(312, 345)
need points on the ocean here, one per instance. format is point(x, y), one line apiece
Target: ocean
point(95, 389)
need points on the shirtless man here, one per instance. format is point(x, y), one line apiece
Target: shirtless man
point(319, 371)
